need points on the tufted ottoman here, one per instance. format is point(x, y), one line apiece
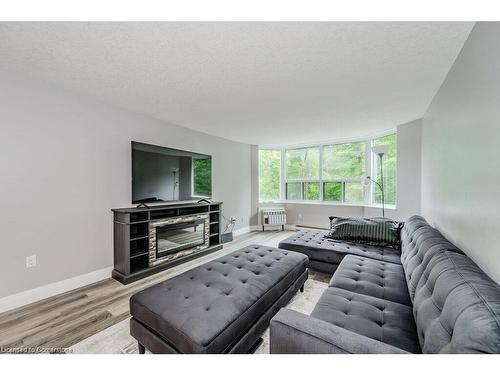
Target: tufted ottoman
point(326, 254)
point(222, 306)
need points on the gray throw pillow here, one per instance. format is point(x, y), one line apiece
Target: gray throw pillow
point(375, 231)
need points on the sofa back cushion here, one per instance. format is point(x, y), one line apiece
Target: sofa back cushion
point(456, 306)
point(419, 243)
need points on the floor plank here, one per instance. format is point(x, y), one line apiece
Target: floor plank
point(68, 318)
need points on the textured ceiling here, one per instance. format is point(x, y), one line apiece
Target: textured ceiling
point(261, 83)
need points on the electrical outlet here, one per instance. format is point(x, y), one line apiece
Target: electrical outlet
point(31, 261)
point(299, 218)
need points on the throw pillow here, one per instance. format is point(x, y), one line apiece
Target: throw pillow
point(375, 231)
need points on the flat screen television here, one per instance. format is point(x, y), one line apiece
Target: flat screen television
point(161, 174)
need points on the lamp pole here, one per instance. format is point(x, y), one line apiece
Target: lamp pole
point(382, 185)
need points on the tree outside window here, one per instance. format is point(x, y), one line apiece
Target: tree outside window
point(329, 173)
point(202, 177)
point(269, 175)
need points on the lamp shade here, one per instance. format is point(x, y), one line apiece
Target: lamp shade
point(380, 150)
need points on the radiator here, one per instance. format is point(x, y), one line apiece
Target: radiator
point(273, 216)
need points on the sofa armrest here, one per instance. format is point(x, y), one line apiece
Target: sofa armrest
point(296, 333)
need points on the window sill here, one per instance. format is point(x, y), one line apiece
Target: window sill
point(315, 203)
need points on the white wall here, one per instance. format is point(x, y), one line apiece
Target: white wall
point(65, 162)
point(460, 163)
point(408, 188)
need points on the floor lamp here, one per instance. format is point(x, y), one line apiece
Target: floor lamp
point(380, 151)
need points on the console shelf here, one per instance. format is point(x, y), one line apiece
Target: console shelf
point(132, 242)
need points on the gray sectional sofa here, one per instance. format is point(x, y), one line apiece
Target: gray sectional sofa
point(326, 254)
point(430, 299)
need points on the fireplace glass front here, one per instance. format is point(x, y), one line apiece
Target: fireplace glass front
point(171, 238)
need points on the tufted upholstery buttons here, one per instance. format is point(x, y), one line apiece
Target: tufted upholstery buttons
point(318, 248)
point(372, 277)
point(250, 278)
point(380, 320)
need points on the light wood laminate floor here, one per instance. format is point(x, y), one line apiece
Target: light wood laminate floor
point(63, 320)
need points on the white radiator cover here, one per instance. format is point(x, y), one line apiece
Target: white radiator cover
point(273, 216)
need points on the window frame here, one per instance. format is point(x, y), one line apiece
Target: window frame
point(369, 171)
point(286, 180)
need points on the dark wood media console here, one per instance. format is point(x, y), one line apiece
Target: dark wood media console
point(139, 253)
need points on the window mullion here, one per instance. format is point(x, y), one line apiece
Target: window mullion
point(321, 173)
point(283, 176)
point(368, 169)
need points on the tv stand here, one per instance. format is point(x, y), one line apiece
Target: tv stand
point(135, 242)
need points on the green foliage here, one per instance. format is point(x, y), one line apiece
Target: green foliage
point(353, 192)
point(311, 191)
point(302, 163)
point(344, 160)
point(389, 165)
point(202, 177)
point(332, 191)
point(269, 174)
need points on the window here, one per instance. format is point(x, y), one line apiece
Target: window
point(302, 164)
point(202, 177)
point(311, 191)
point(302, 174)
point(343, 161)
point(389, 169)
point(328, 173)
point(269, 175)
point(353, 192)
point(344, 168)
point(293, 191)
point(332, 191)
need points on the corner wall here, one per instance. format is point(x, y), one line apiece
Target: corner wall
point(460, 160)
point(65, 162)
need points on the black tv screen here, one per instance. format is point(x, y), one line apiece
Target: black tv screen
point(161, 174)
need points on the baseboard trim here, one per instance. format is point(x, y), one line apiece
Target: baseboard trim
point(241, 231)
point(37, 294)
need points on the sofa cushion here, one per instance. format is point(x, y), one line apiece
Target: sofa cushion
point(206, 309)
point(315, 245)
point(375, 231)
point(373, 278)
point(457, 307)
point(379, 319)
point(420, 242)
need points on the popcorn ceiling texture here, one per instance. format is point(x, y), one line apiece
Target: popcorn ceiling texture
point(258, 83)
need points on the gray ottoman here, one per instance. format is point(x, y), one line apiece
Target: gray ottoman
point(219, 307)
